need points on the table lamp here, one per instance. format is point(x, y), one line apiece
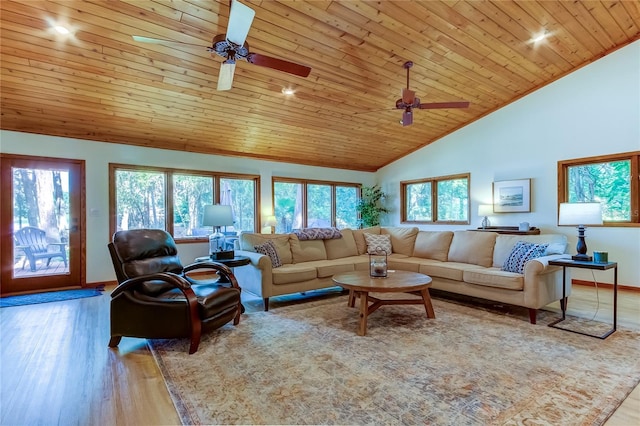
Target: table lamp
point(580, 214)
point(270, 222)
point(484, 210)
point(216, 216)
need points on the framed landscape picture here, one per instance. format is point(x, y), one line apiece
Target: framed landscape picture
point(512, 196)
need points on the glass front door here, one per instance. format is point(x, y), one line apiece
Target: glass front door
point(41, 241)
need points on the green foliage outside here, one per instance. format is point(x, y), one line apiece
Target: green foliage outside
point(453, 200)
point(607, 183)
point(370, 206)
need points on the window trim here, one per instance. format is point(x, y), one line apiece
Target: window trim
point(633, 157)
point(169, 173)
point(304, 183)
point(434, 200)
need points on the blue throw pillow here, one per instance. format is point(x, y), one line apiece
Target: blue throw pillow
point(521, 253)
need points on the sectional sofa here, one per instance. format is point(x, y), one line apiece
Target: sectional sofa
point(463, 262)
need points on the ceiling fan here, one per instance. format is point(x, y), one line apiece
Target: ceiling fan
point(409, 101)
point(232, 46)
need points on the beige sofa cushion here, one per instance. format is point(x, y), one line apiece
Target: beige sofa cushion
point(448, 270)
point(281, 241)
point(505, 243)
point(472, 247)
point(494, 277)
point(433, 245)
point(358, 235)
point(341, 247)
point(402, 239)
point(307, 251)
point(294, 273)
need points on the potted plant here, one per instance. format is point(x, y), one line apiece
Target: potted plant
point(370, 205)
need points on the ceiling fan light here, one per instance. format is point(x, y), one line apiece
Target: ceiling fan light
point(407, 118)
point(225, 78)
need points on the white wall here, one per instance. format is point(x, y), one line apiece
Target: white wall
point(593, 111)
point(98, 155)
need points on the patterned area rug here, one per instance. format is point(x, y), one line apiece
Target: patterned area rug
point(304, 364)
point(50, 296)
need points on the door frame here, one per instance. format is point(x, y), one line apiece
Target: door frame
point(77, 256)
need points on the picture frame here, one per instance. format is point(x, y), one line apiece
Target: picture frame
point(512, 196)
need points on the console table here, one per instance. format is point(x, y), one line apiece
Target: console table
point(514, 230)
point(568, 263)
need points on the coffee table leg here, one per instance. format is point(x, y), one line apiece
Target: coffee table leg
point(352, 298)
point(364, 311)
point(426, 298)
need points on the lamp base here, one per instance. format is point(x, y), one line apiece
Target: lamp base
point(582, 258)
point(222, 255)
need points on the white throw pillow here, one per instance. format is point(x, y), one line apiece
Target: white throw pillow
point(378, 242)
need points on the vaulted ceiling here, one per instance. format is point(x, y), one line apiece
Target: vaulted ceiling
point(98, 84)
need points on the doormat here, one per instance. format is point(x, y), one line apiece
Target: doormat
point(50, 296)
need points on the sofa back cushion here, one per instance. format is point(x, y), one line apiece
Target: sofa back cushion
point(402, 239)
point(472, 247)
point(358, 235)
point(341, 247)
point(433, 245)
point(307, 250)
point(248, 240)
point(505, 243)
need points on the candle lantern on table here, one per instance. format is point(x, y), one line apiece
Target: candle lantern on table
point(378, 263)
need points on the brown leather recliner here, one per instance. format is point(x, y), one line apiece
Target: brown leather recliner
point(156, 298)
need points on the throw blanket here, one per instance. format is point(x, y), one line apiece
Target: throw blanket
point(317, 233)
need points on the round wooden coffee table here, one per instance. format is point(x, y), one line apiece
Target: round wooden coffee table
point(360, 284)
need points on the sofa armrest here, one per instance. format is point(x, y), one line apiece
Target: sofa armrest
point(255, 277)
point(542, 263)
point(257, 260)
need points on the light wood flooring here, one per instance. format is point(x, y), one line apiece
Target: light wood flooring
point(55, 367)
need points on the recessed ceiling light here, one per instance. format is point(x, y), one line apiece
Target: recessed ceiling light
point(288, 92)
point(539, 37)
point(61, 30)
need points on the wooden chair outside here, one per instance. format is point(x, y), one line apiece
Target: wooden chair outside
point(32, 241)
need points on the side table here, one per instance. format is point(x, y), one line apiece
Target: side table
point(568, 263)
point(231, 263)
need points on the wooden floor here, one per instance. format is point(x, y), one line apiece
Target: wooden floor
point(55, 367)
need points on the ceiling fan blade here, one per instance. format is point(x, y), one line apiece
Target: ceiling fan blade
point(278, 64)
point(240, 19)
point(408, 96)
point(443, 105)
point(141, 39)
point(407, 117)
point(225, 78)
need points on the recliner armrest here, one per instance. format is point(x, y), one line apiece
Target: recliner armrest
point(167, 277)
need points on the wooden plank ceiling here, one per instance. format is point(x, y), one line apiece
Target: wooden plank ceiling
point(99, 84)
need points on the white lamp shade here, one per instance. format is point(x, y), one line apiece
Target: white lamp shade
point(217, 215)
point(270, 221)
point(580, 214)
point(485, 210)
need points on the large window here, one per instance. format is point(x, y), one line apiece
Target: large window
point(443, 199)
point(174, 200)
point(301, 204)
point(611, 180)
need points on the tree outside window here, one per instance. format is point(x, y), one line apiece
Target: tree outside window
point(300, 203)
point(442, 199)
point(610, 180)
